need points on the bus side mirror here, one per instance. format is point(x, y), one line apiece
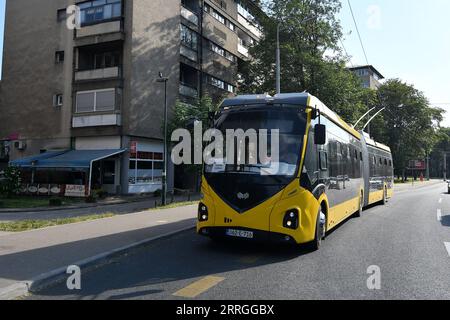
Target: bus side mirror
point(320, 134)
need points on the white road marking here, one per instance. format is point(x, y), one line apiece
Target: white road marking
point(440, 200)
point(439, 215)
point(447, 246)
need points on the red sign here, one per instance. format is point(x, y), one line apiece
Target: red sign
point(13, 136)
point(417, 165)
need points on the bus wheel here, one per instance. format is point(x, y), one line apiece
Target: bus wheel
point(358, 214)
point(320, 231)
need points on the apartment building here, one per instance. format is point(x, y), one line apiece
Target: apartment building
point(369, 76)
point(82, 107)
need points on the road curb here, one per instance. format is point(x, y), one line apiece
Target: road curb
point(42, 281)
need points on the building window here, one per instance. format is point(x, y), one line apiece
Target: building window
point(59, 57)
point(224, 53)
point(189, 38)
point(146, 167)
point(230, 88)
point(107, 60)
point(244, 11)
point(96, 101)
point(97, 11)
point(221, 84)
point(217, 83)
point(58, 100)
point(61, 15)
point(219, 17)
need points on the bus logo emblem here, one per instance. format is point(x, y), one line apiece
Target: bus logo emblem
point(243, 196)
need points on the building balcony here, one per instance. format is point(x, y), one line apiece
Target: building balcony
point(243, 50)
point(100, 29)
point(96, 120)
point(189, 53)
point(189, 16)
point(188, 91)
point(249, 26)
point(98, 74)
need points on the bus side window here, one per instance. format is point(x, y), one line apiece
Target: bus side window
point(323, 158)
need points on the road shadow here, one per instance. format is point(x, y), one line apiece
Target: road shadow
point(152, 267)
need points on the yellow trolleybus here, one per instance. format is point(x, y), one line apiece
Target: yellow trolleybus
point(329, 172)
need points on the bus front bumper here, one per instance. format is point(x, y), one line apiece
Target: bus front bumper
point(246, 235)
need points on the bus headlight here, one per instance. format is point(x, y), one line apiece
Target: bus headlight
point(291, 219)
point(202, 213)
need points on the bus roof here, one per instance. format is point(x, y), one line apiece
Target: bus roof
point(302, 99)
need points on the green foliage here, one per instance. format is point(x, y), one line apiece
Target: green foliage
point(185, 116)
point(100, 193)
point(55, 202)
point(11, 183)
point(91, 199)
point(306, 64)
point(410, 124)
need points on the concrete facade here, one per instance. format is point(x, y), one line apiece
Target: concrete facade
point(370, 77)
point(104, 93)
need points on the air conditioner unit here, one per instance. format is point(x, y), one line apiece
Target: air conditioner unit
point(20, 145)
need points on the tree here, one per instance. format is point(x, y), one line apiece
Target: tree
point(11, 183)
point(410, 123)
point(311, 58)
point(184, 116)
point(437, 154)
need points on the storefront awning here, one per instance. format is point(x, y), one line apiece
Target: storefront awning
point(77, 159)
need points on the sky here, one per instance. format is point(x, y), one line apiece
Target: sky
point(406, 39)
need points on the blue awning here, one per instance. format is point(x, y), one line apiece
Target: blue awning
point(78, 159)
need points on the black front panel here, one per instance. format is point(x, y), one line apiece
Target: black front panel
point(244, 192)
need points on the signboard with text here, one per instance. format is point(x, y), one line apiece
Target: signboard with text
point(75, 191)
point(417, 165)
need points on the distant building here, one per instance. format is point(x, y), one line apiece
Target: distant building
point(369, 76)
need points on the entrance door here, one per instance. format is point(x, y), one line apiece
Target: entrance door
point(109, 176)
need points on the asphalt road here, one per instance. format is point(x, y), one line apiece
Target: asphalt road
point(405, 239)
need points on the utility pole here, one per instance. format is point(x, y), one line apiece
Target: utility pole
point(445, 166)
point(278, 58)
point(164, 80)
point(428, 166)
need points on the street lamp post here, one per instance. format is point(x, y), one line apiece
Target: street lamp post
point(278, 84)
point(164, 80)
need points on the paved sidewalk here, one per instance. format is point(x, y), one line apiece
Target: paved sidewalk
point(26, 258)
point(417, 184)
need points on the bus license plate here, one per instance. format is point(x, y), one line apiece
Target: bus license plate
point(239, 234)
